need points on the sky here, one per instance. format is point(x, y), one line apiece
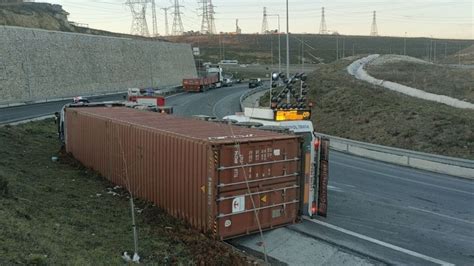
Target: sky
point(413, 18)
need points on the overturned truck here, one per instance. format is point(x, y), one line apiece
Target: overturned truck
point(223, 179)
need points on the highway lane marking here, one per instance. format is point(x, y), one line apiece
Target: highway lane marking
point(441, 215)
point(406, 179)
point(174, 95)
point(333, 188)
point(214, 110)
point(341, 184)
point(381, 243)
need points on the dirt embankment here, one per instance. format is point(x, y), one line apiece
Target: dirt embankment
point(35, 15)
point(443, 80)
point(58, 212)
point(49, 17)
point(349, 108)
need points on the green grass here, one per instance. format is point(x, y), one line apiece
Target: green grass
point(352, 109)
point(60, 212)
point(450, 81)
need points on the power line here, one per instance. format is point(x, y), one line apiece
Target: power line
point(139, 24)
point(167, 29)
point(154, 22)
point(238, 30)
point(177, 28)
point(265, 21)
point(374, 31)
point(212, 24)
point(205, 27)
point(323, 29)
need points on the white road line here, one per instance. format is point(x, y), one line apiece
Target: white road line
point(174, 95)
point(336, 189)
point(405, 179)
point(441, 215)
point(381, 243)
point(214, 108)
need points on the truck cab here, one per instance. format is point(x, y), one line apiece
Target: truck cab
point(297, 122)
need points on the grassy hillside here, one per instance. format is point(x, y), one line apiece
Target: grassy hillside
point(252, 48)
point(353, 109)
point(450, 81)
point(465, 56)
point(60, 213)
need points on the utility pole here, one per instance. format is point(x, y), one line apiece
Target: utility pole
point(459, 55)
point(287, 48)
point(337, 48)
point(154, 21)
point(405, 44)
point(139, 24)
point(434, 55)
point(279, 40)
point(323, 29)
point(302, 55)
point(167, 29)
point(265, 21)
point(343, 47)
point(353, 49)
point(374, 30)
point(177, 28)
point(271, 48)
point(445, 49)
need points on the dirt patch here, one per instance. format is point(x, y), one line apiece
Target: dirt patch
point(59, 212)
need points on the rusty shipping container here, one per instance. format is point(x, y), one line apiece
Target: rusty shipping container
point(222, 179)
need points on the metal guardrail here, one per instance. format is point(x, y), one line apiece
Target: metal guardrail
point(249, 93)
point(419, 160)
point(165, 91)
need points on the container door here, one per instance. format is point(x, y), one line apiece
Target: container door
point(250, 210)
point(258, 186)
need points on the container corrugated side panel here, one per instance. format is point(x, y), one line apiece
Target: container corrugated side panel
point(168, 170)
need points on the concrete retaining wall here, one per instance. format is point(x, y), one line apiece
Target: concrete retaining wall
point(38, 65)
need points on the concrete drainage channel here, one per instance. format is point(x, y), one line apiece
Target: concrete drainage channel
point(424, 161)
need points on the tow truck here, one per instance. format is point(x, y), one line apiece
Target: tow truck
point(296, 118)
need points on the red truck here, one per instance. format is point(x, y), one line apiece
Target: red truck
point(200, 84)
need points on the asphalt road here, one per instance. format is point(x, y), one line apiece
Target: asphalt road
point(24, 112)
point(391, 213)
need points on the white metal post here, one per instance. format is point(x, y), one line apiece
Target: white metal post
point(287, 49)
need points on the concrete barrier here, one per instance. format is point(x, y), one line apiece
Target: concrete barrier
point(424, 161)
point(419, 160)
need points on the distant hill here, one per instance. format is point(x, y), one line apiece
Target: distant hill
point(465, 57)
point(255, 48)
